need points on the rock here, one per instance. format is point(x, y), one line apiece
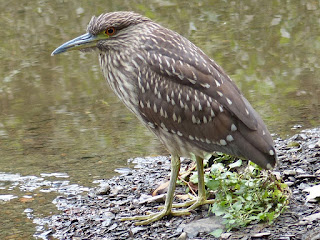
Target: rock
point(104, 189)
point(289, 183)
point(312, 217)
point(183, 236)
point(137, 229)
point(260, 235)
point(225, 235)
point(294, 127)
point(289, 172)
point(315, 237)
point(300, 171)
point(300, 137)
point(108, 215)
point(113, 226)
point(123, 171)
point(147, 199)
point(116, 189)
point(314, 192)
point(206, 225)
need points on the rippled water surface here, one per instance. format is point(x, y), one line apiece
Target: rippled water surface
point(61, 128)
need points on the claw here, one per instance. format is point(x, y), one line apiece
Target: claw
point(152, 217)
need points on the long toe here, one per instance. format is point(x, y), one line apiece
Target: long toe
point(199, 203)
point(147, 219)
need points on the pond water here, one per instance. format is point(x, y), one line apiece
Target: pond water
point(61, 128)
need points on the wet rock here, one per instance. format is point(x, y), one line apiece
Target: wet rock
point(297, 126)
point(123, 171)
point(205, 225)
point(7, 197)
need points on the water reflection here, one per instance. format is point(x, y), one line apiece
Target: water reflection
point(58, 115)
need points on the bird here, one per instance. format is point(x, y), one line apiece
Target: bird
point(179, 93)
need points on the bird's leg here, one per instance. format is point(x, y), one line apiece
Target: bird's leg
point(201, 199)
point(147, 219)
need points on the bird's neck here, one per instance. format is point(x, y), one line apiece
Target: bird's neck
point(121, 76)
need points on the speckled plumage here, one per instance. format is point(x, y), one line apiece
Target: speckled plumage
point(180, 94)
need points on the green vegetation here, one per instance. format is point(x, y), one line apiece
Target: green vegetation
point(243, 195)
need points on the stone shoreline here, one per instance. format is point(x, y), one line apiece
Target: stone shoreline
point(96, 215)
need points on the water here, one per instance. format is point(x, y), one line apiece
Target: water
point(61, 128)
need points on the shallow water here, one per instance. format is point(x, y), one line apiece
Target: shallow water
point(60, 125)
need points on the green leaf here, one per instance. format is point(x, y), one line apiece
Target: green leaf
point(194, 178)
point(237, 206)
point(213, 184)
point(217, 233)
point(235, 164)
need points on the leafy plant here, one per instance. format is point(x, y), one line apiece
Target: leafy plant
point(250, 196)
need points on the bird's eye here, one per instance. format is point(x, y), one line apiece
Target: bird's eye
point(110, 31)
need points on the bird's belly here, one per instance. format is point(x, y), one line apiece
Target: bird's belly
point(177, 145)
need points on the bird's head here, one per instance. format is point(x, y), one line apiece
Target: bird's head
point(105, 31)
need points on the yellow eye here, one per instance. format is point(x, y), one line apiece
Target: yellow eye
point(110, 31)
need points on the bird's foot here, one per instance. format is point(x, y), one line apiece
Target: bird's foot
point(152, 217)
point(199, 202)
point(192, 204)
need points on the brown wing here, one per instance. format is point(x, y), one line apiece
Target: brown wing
point(185, 93)
point(186, 64)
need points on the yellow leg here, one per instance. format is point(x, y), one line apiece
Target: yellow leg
point(167, 209)
point(147, 219)
point(201, 199)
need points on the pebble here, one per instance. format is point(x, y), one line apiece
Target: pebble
point(137, 229)
point(260, 235)
point(312, 217)
point(183, 236)
point(87, 216)
point(289, 183)
point(300, 137)
point(289, 172)
point(104, 189)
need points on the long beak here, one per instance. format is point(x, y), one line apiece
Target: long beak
point(84, 41)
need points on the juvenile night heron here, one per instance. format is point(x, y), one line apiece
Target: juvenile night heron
point(178, 92)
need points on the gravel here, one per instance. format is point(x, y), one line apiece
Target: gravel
point(96, 215)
